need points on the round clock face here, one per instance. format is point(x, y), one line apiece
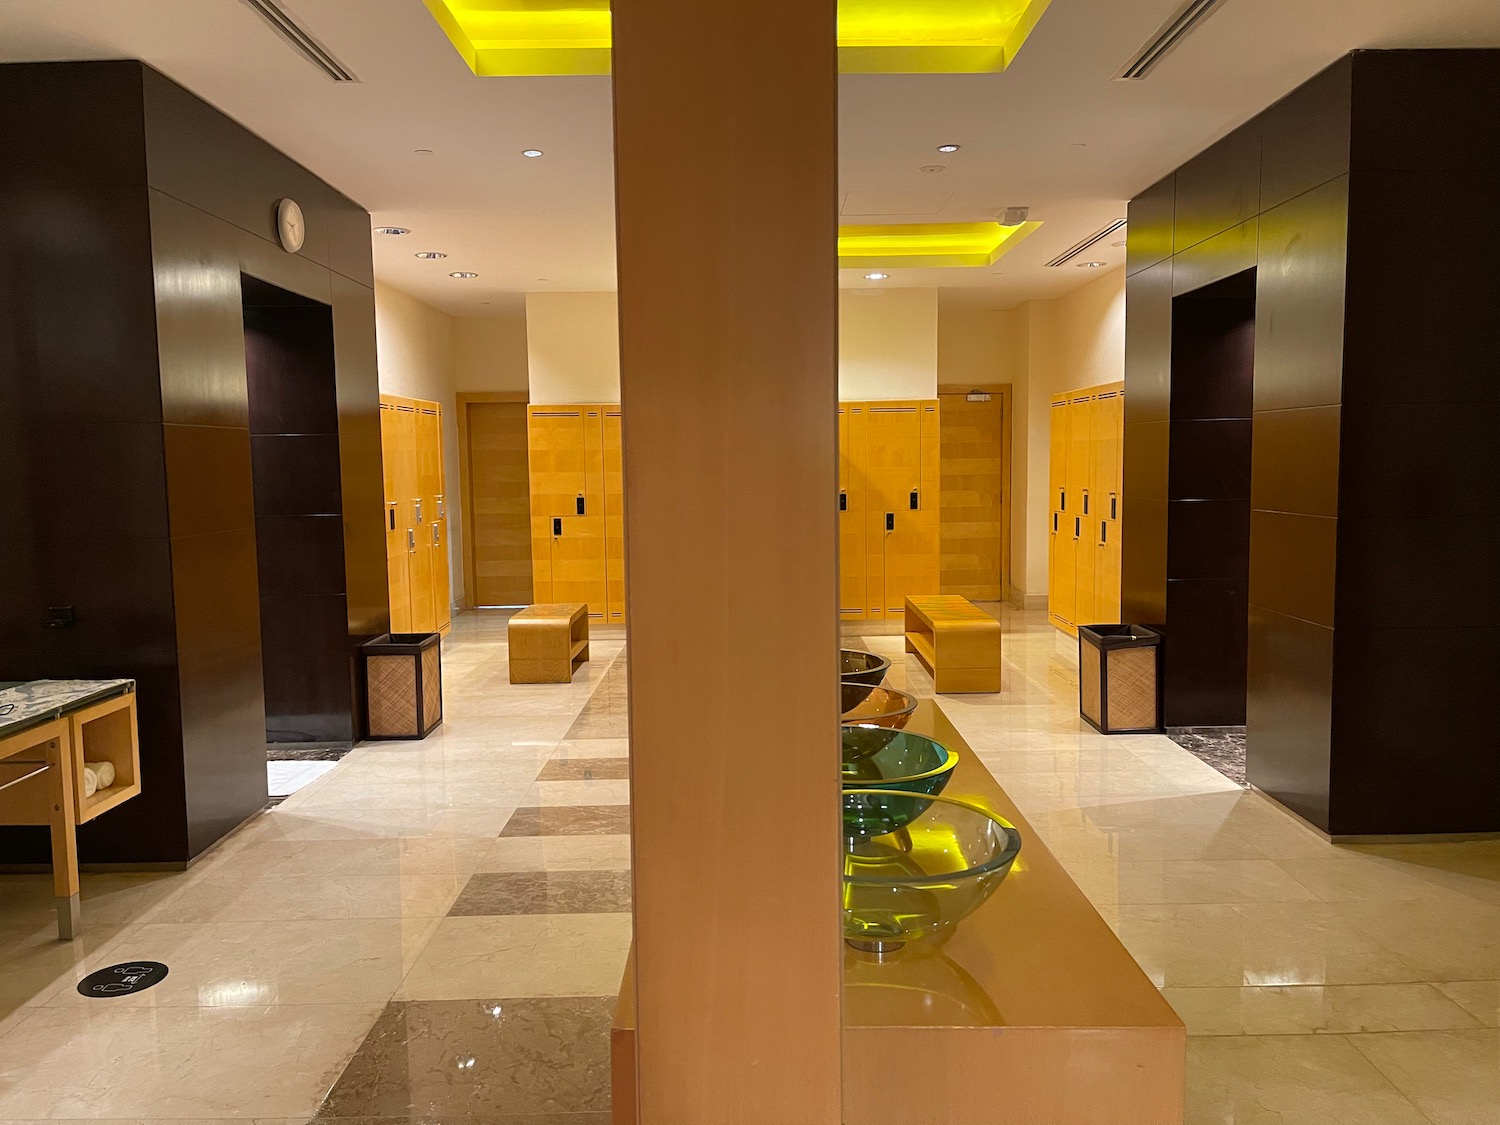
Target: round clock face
point(289, 225)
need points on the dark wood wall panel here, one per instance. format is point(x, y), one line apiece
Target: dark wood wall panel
point(124, 234)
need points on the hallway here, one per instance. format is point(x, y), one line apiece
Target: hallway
point(436, 931)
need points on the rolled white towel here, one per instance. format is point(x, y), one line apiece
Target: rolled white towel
point(105, 771)
point(90, 781)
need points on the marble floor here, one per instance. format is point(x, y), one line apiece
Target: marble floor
point(433, 931)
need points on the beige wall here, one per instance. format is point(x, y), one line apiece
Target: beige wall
point(489, 353)
point(415, 354)
point(888, 344)
point(573, 347)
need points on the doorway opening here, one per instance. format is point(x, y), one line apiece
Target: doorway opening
point(1205, 662)
point(307, 667)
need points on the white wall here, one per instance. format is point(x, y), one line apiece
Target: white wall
point(888, 344)
point(573, 347)
point(415, 355)
point(489, 353)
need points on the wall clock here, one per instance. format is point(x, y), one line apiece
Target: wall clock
point(290, 226)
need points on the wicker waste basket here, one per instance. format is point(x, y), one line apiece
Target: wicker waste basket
point(403, 685)
point(1117, 678)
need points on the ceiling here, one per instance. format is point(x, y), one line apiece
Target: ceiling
point(1054, 132)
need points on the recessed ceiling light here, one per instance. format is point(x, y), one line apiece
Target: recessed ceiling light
point(1091, 265)
point(462, 273)
point(531, 153)
point(391, 230)
point(934, 168)
point(876, 276)
point(430, 255)
point(948, 148)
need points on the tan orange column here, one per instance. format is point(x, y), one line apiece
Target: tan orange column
point(726, 150)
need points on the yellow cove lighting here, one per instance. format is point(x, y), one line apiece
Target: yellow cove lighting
point(928, 245)
point(569, 37)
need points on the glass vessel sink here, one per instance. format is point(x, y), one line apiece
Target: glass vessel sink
point(862, 669)
point(898, 769)
point(927, 875)
point(876, 707)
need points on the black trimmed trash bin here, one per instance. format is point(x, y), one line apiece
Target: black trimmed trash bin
point(1118, 678)
point(403, 675)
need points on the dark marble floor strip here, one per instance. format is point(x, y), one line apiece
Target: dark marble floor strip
point(1221, 747)
point(544, 892)
point(585, 769)
point(569, 820)
point(305, 754)
point(533, 1061)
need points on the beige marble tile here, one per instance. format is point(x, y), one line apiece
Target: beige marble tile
point(253, 964)
point(1452, 1076)
point(34, 965)
point(443, 855)
point(592, 748)
point(521, 955)
point(1188, 880)
point(1480, 998)
point(229, 897)
point(1289, 1080)
point(119, 1061)
point(553, 794)
point(557, 853)
point(1307, 1009)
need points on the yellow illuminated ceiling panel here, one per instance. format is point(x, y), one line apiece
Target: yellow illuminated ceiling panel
point(928, 245)
point(560, 37)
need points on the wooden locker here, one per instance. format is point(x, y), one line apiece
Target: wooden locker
point(614, 518)
point(396, 523)
point(434, 541)
point(419, 522)
point(1061, 569)
point(1083, 443)
point(566, 460)
point(853, 514)
point(893, 471)
point(1109, 423)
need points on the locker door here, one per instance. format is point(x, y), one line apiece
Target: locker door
point(556, 459)
point(397, 571)
point(893, 470)
point(1109, 422)
point(853, 514)
point(429, 427)
point(1060, 569)
point(1082, 459)
point(419, 525)
point(614, 518)
point(913, 552)
point(578, 564)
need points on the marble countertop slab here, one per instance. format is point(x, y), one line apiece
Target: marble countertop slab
point(26, 704)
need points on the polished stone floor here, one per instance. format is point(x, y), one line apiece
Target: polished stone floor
point(433, 931)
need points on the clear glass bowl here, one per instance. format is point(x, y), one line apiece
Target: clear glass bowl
point(896, 768)
point(876, 707)
point(927, 875)
point(862, 669)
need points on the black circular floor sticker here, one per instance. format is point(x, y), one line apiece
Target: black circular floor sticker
point(122, 980)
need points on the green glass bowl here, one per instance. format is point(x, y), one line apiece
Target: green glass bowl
point(899, 768)
point(861, 669)
point(927, 876)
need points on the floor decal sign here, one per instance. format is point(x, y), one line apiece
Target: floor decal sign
point(122, 980)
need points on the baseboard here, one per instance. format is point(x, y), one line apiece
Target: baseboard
point(1019, 599)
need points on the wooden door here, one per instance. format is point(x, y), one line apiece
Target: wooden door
point(498, 533)
point(853, 514)
point(614, 518)
point(973, 513)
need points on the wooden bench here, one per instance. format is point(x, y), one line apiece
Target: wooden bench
point(548, 643)
point(957, 641)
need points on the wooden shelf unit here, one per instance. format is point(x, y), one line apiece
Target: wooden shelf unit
point(105, 732)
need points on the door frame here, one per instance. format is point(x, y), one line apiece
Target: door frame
point(1004, 392)
point(462, 401)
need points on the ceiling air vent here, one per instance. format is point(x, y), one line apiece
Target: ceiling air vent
point(1171, 33)
point(1098, 236)
point(308, 47)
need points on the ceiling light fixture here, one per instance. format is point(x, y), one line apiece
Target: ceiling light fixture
point(1091, 265)
point(1014, 216)
point(429, 255)
point(929, 168)
point(391, 230)
point(531, 153)
point(948, 148)
point(876, 276)
point(462, 273)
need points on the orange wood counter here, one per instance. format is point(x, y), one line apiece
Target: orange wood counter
point(1031, 1012)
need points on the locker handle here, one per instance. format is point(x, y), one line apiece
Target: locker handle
point(1077, 527)
point(390, 510)
point(436, 540)
point(1085, 501)
point(418, 503)
point(580, 503)
point(1114, 507)
point(890, 521)
point(557, 525)
point(843, 501)
point(1054, 521)
point(411, 540)
point(440, 506)
point(915, 501)
point(1104, 531)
